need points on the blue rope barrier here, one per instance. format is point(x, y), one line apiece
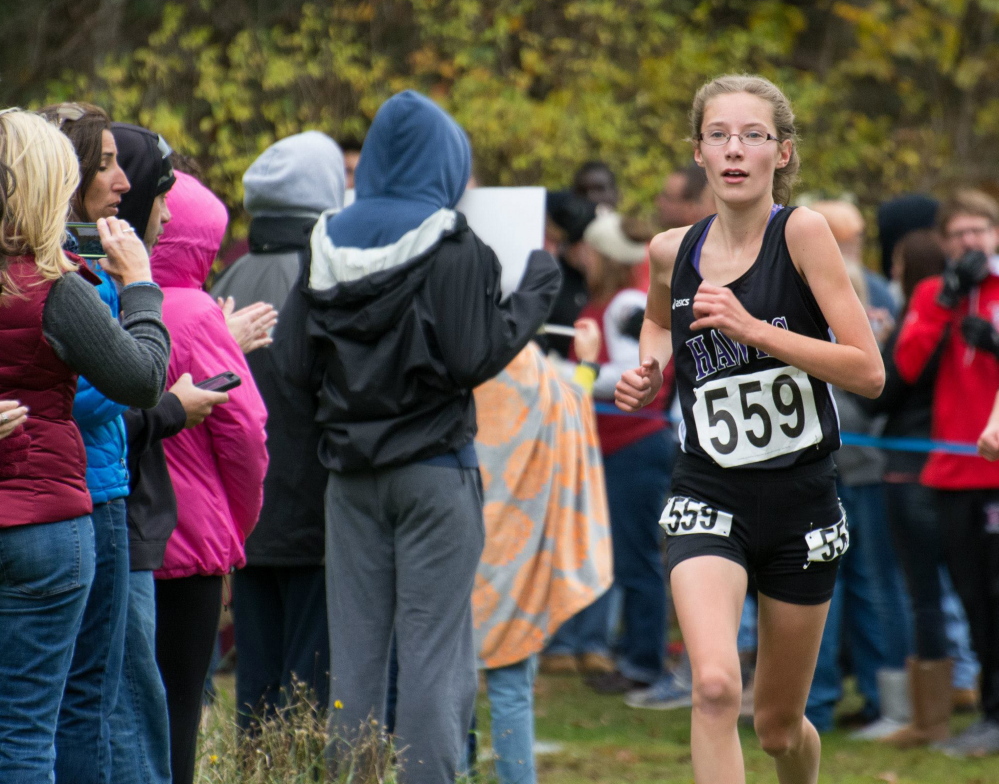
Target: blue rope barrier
point(850, 439)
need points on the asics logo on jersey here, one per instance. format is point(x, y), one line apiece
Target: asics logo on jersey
point(679, 303)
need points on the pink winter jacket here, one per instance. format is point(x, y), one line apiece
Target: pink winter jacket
point(217, 467)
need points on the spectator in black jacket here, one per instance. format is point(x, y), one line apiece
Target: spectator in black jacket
point(406, 320)
point(567, 217)
point(279, 597)
point(912, 513)
point(140, 743)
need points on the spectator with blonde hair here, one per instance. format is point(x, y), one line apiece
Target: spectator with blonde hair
point(848, 227)
point(55, 327)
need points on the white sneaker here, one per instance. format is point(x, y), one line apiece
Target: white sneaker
point(665, 694)
point(881, 728)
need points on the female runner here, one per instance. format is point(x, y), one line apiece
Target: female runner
point(748, 298)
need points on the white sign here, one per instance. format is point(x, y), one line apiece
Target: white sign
point(511, 221)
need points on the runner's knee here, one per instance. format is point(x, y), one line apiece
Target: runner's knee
point(779, 732)
point(717, 690)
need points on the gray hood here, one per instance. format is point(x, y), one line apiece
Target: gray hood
point(299, 176)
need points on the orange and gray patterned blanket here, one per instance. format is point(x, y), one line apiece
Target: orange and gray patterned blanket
point(548, 552)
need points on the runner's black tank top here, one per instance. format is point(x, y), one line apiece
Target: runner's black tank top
point(741, 407)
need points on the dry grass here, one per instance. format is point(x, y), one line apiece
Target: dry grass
point(600, 742)
point(287, 748)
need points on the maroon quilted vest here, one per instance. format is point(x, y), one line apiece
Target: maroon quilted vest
point(46, 482)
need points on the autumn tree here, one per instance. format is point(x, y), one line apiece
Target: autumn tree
point(891, 95)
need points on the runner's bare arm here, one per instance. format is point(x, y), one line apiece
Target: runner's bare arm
point(853, 362)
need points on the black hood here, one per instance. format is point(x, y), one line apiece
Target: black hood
point(145, 158)
point(897, 217)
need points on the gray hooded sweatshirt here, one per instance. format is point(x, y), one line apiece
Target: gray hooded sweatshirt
point(286, 189)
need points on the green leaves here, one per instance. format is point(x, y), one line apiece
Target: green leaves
point(887, 92)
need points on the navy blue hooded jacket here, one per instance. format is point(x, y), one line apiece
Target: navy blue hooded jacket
point(416, 160)
point(404, 313)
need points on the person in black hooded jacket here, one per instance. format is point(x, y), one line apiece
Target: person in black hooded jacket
point(140, 742)
point(405, 318)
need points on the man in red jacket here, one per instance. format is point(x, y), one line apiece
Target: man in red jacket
point(957, 313)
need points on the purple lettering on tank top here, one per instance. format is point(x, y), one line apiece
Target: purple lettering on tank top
point(695, 257)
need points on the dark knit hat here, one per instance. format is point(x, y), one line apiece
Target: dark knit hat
point(898, 216)
point(145, 158)
point(571, 213)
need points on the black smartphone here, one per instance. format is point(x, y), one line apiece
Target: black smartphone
point(88, 240)
point(223, 382)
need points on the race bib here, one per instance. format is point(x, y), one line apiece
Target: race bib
point(750, 418)
point(828, 544)
point(684, 515)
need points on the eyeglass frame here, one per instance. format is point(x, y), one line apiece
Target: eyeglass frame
point(728, 137)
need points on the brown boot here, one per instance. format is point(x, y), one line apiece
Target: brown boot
point(965, 701)
point(930, 681)
point(558, 664)
point(592, 663)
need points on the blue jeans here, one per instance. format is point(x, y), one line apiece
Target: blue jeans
point(511, 706)
point(748, 639)
point(966, 668)
point(637, 485)
point(857, 607)
point(140, 730)
point(45, 576)
point(83, 735)
point(867, 502)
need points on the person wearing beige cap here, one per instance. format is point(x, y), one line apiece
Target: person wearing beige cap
point(637, 458)
point(848, 227)
point(869, 607)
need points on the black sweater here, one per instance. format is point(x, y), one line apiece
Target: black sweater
point(152, 505)
point(909, 408)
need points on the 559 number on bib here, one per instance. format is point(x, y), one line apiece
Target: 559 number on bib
point(684, 515)
point(828, 544)
point(753, 417)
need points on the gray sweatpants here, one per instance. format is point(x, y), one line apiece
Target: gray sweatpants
point(402, 547)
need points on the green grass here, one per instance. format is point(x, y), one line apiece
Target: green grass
point(605, 741)
point(602, 741)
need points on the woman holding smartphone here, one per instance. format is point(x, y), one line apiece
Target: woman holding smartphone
point(83, 742)
point(55, 328)
point(746, 300)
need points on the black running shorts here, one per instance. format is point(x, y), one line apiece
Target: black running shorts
point(785, 527)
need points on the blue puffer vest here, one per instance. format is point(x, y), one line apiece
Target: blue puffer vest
point(101, 425)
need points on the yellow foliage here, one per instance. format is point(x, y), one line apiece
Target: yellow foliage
point(882, 89)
